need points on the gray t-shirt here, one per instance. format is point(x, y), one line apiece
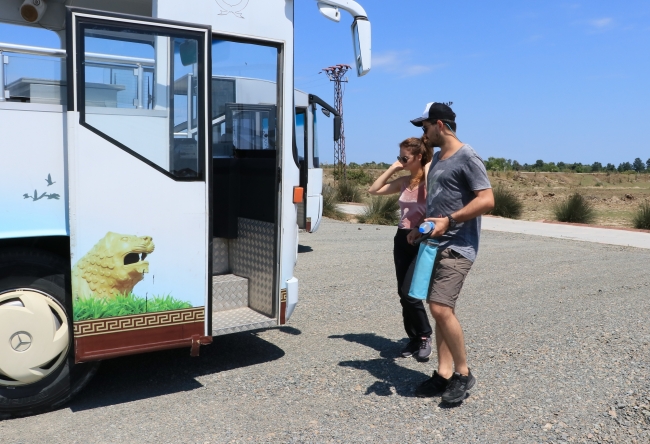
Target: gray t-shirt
point(450, 186)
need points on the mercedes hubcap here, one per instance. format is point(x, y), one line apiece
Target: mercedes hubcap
point(34, 336)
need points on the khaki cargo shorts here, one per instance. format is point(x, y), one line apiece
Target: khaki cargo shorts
point(449, 272)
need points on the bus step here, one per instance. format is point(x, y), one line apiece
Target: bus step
point(229, 292)
point(239, 319)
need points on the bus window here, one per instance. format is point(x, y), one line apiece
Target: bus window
point(244, 97)
point(141, 91)
point(315, 140)
point(300, 133)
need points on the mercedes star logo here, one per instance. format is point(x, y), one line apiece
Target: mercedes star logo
point(21, 341)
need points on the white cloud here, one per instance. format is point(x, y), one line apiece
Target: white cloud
point(399, 62)
point(601, 23)
point(386, 59)
point(571, 6)
point(416, 70)
point(532, 39)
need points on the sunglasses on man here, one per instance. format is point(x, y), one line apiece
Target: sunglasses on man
point(425, 128)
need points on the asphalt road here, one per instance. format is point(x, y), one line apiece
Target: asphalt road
point(557, 333)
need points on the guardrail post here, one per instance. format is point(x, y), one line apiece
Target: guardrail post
point(139, 72)
point(2, 76)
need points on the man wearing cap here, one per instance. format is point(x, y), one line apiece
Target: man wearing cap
point(458, 193)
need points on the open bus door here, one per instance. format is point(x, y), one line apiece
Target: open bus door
point(310, 210)
point(139, 180)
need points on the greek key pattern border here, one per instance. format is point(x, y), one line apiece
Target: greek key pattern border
point(138, 322)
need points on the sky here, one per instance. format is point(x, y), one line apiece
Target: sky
point(553, 80)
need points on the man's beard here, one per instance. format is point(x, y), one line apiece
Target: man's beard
point(431, 142)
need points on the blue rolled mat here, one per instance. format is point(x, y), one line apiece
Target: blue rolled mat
point(423, 269)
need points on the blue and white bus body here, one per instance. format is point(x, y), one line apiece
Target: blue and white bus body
point(151, 183)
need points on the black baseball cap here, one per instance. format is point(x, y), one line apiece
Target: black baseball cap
point(435, 111)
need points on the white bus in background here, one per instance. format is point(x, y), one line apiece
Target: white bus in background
point(151, 186)
point(310, 211)
point(236, 90)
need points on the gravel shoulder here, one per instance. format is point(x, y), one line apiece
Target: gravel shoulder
point(557, 334)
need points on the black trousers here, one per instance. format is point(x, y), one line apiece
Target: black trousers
point(416, 321)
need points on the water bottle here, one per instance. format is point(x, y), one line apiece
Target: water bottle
point(425, 229)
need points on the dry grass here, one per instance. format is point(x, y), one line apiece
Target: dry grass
point(615, 197)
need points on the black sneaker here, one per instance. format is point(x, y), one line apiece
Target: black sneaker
point(412, 347)
point(434, 386)
point(424, 350)
point(458, 387)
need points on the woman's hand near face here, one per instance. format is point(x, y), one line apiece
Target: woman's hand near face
point(397, 166)
point(380, 187)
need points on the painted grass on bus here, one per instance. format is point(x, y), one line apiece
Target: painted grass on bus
point(124, 305)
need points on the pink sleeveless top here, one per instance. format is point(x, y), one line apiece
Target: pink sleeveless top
point(413, 205)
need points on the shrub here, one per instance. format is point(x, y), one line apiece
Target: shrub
point(374, 165)
point(641, 219)
point(575, 209)
point(348, 191)
point(330, 203)
point(360, 176)
point(381, 210)
point(357, 175)
point(506, 204)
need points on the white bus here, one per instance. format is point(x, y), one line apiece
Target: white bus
point(151, 185)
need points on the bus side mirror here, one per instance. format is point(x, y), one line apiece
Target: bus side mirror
point(337, 128)
point(361, 37)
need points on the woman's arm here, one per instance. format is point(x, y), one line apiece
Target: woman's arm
point(381, 188)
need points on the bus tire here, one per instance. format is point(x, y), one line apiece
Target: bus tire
point(33, 293)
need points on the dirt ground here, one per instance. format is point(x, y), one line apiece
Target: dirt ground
point(615, 197)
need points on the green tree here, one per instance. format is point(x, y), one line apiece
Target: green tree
point(638, 165)
point(610, 167)
point(539, 164)
point(625, 166)
point(596, 167)
point(550, 167)
point(498, 164)
point(647, 164)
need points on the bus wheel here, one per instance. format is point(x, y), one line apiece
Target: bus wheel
point(37, 370)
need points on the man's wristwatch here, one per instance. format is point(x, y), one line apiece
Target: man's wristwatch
point(452, 222)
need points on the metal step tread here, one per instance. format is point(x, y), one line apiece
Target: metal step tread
point(229, 292)
point(239, 319)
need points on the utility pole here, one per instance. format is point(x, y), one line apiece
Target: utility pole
point(336, 74)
